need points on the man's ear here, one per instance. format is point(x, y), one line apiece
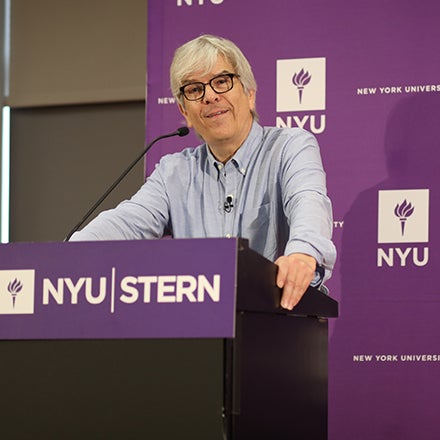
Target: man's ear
point(185, 114)
point(251, 97)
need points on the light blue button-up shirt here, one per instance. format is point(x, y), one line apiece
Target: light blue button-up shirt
point(272, 192)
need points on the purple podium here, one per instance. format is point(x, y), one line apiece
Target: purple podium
point(163, 339)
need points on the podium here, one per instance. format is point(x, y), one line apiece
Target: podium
point(163, 339)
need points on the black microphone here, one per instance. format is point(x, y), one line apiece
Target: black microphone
point(182, 131)
point(228, 205)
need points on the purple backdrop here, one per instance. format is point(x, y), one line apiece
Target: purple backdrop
point(372, 101)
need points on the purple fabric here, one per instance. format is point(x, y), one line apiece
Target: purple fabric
point(373, 101)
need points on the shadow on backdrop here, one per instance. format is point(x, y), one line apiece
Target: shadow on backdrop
point(390, 310)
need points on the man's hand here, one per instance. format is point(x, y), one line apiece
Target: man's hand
point(295, 273)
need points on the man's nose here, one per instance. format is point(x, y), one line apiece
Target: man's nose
point(210, 95)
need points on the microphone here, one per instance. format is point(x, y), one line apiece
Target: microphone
point(182, 131)
point(228, 205)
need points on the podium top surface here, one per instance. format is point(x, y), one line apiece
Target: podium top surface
point(258, 291)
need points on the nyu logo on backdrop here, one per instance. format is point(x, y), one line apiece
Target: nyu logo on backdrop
point(301, 84)
point(17, 292)
point(301, 88)
point(198, 2)
point(403, 217)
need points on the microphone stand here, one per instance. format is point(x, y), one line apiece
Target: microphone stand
point(182, 131)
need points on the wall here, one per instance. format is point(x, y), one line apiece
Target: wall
point(77, 98)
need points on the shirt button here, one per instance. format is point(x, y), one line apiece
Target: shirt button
point(243, 170)
point(228, 235)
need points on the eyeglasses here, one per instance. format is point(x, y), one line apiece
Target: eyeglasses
point(220, 84)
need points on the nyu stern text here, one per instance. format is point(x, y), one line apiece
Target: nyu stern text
point(132, 289)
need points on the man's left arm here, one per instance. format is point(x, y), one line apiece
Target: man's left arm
point(309, 254)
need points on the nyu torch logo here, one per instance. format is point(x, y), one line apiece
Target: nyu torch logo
point(301, 85)
point(403, 228)
point(301, 94)
point(14, 288)
point(17, 291)
point(403, 212)
point(300, 80)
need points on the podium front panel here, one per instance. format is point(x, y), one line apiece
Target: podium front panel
point(112, 389)
point(123, 289)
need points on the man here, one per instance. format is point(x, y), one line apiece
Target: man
point(263, 184)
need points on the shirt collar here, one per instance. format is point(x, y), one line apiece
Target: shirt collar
point(243, 155)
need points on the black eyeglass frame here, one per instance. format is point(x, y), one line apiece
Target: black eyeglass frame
point(230, 75)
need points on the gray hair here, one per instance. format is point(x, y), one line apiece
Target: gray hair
point(200, 55)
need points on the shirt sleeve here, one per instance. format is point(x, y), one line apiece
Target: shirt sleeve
point(305, 201)
point(144, 216)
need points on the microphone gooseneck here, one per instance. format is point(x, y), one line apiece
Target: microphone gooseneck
point(181, 131)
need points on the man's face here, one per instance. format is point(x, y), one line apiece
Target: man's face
point(222, 120)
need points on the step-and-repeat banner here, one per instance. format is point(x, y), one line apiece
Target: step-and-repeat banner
point(364, 78)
